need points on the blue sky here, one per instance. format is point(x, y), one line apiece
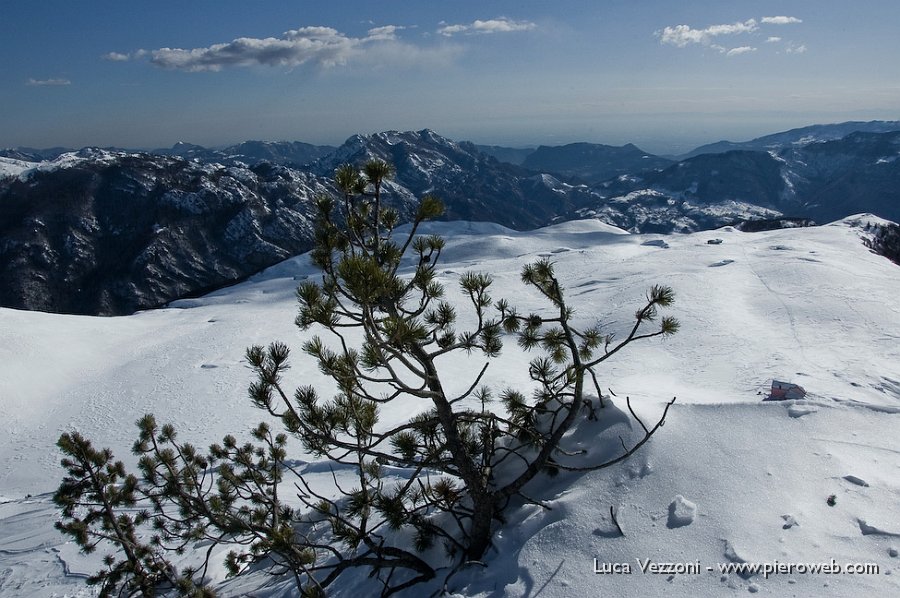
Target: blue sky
point(665, 75)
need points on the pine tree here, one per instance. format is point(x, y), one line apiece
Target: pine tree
point(98, 499)
point(407, 326)
point(465, 455)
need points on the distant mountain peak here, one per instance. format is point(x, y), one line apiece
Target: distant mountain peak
point(593, 162)
point(799, 136)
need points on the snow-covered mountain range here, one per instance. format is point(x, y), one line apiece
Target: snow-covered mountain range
point(286, 153)
point(593, 162)
point(821, 180)
point(108, 232)
point(729, 481)
point(798, 137)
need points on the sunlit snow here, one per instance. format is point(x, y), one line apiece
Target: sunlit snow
point(729, 478)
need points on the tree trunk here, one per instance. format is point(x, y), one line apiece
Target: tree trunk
point(480, 533)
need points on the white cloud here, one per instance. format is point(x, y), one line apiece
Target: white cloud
point(450, 30)
point(386, 32)
point(683, 35)
point(796, 48)
point(116, 57)
point(499, 25)
point(47, 82)
point(746, 27)
point(781, 20)
point(740, 50)
point(322, 46)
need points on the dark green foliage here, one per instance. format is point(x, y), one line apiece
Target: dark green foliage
point(463, 456)
point(885, 240)
point(760, 225)
point(98, 499)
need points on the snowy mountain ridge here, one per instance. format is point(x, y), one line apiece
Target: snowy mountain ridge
point(105, 232)
point(65, 219)
point(823, 181)
point(798, 137)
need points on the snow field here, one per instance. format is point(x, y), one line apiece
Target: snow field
point(812, 306)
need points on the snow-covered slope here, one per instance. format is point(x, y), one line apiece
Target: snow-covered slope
point(10, 167)
point(728, 479)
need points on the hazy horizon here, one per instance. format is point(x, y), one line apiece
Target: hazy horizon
point(659, 146)
point(665, 77)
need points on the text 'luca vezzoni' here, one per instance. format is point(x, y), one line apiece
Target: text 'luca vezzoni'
point(647, 566)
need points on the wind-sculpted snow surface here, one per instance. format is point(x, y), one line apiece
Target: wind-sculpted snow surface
point(808, 305)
